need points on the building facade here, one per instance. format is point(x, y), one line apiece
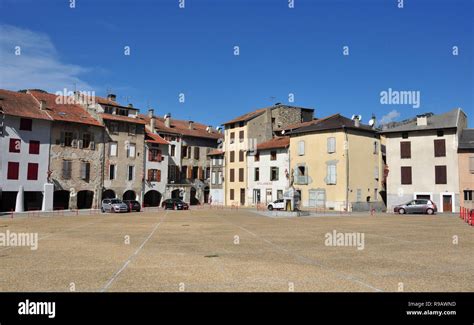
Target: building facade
point(268, 171)
point(216, 183)
point(243, 134)
point(24, 159)
point(335, 164)
point(466, 168)
point(422, 159)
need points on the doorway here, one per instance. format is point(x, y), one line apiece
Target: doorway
point(447, 203)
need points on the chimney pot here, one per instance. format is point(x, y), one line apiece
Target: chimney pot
point(151, 112)
point(168, 120)
point(111, 97)
point(190, 125)
point(421, 120)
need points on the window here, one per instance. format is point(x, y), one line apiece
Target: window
point(154, 175)
point(214, 178)
point(301, 175)
point(440, 175)
point(131, 150)
point(241, 174)
point(219, 178)
point(241, 155)
point(256, 176)
point(242, 196)
point(256, 156)
point(376, 172)
point(231, 175)
point(241, 136)
point(231, 194)
point(440, 148)
point(405, 135)
point(26, 124)
point(172, 150)
point(112, 174)
point(405, 149)
point(232, 137)
point(273, 155)
point(439, 133)
point(359, 195)
point(13, 170)
point(85, 170)
point(471, 165)
point(154, 155)
point(184, 151)
point(241, 124)
point(132, 129)
point(114, 127)
point(301, 148)
point(15, 145)
point(232, 156)
point(113, 149)
point(86, 140)
point(376, 147)
point(273, 173)
point(67, 139)
point(188, 154)
point(207, 173)
point(331, 145)
point(67, 168)
point(280, 194)
point(196, 153)
point(406, 175)
point(195, 172)
point(331, 175)
point(130, 173)
point(34, 147)
point(467, 195)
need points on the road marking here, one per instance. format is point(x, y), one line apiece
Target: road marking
point(131, 257)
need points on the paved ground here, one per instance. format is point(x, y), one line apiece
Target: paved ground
point(198, 251)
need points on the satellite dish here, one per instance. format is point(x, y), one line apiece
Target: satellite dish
point(371, 122)
point(353, 117)
point(166, 116)
point(359, 117)
point(282, 132)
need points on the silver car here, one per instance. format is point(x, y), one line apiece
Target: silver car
point(417, 206)
point(113, 205)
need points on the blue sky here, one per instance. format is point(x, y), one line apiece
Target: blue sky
point(282, 51)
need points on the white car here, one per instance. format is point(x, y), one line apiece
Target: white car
point(278, 205)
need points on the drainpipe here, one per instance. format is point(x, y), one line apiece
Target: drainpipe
point(346, 152)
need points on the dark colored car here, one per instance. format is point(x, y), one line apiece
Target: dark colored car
point(175, 204)
point(417, 206)
point(132, 205)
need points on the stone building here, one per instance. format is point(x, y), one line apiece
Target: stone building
point(24, 153)
point(243, 134)
point(189, 165)
point(77, 153)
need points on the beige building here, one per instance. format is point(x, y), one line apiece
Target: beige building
point(466, 168)
point(422, 159)
point(336, 164)
point(76, 153)
point(243, 134)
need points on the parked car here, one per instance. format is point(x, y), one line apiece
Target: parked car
point(132, 205)
point(175, 204)
point(417, 206)
point(113, 205)
point(278, 204)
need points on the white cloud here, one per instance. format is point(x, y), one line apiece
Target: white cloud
point(38, 66)
point(389, 117)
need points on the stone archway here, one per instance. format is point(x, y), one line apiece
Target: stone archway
point(108, 194)
point(61, 200)
point(85, 199)
point(129, 195)
point(152, 198)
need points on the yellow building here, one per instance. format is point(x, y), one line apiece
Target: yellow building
point(466, 168)
point(243, 134)
point(336, 164)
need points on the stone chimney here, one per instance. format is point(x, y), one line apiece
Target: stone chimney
point(130, 105)
point(168, 120)
point(42, 105)
point(209, 129)
point(356, 121)
point(190, 125)
point(111, 97)
point(151, 112)
point(421, 120)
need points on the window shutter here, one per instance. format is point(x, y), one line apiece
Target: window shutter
point(440, 148)
point(301, 148)
point(150, 154)
point(471, 165)
point(61, 140)
point(406, 175)
point(83, 170)
point(158, 175)
point(331, 145)
point(80, 144)
point(405, 149)
point(440, 175)
point(200, 175)
point(149, 175)
point(159, 157)
point(376, 172)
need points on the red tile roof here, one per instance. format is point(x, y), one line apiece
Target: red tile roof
point(247, 116)
point(105, 101)
point(154, 138)
point(21, 104)
point(181, 127)
point(298, 125)
point(64, 112)
point(216, 152)
point(122, 118)
point(275, 143)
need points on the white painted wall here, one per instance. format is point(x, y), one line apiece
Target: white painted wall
point(264, 183)
point(40, 132)
point(163, 166)
point(423, 164)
